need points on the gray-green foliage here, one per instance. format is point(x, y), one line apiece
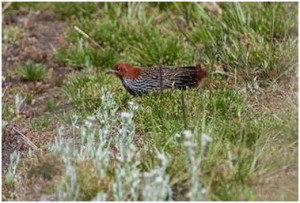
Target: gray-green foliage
point(10, 176)
point(94, 144)
point(157, 182)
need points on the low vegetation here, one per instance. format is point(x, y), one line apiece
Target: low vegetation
point(31, 71)
point(241, 138)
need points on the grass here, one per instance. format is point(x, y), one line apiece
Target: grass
point(7, 112)
point(40, 123)
point(31, 71)
point(11, 34)
point(50, 104)
point(246, 105)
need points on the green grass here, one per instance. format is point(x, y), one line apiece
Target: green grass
point(252, 120)
point(31, 71)
point(50, 104)
point(11, 34)
point(81, 56)
point(84, 90)
point(40, 123)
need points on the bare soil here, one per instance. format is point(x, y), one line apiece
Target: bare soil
point(41, 34)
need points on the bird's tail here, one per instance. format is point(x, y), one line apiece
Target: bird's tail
point(201, 73)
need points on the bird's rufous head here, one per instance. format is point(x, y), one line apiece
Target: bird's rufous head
point(124, 70)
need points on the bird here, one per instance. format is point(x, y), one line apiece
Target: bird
point(138, 81)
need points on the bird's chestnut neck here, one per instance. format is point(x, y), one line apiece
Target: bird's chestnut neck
point(132, 72)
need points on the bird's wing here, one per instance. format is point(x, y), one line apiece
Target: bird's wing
point(183, 77)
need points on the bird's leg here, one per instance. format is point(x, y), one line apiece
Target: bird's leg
point(160, 79)
point(160, 75)
point(183, 106)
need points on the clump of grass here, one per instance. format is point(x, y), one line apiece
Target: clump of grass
point(90, 181)
point(153, 47)
point(50, 104)
point(214, 104)
point(7, 112)
point(41, 123)
point(11, 34)
point(31, 71)
point(136, 42)
point(66, 11)
point(84, 90)
point(242, 42)
point(81, 56)
point(46, 166)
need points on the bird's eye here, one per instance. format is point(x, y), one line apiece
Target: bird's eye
point(117, 68)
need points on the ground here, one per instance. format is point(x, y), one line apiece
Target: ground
point(247, 105)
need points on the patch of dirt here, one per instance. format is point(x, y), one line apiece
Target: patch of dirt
point(281, 184)
point(283, 181)
point(42, 171)
point(41, 33)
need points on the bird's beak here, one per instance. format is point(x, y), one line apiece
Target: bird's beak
point(110, 71)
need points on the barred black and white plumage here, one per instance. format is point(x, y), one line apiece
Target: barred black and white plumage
point(138, 81)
